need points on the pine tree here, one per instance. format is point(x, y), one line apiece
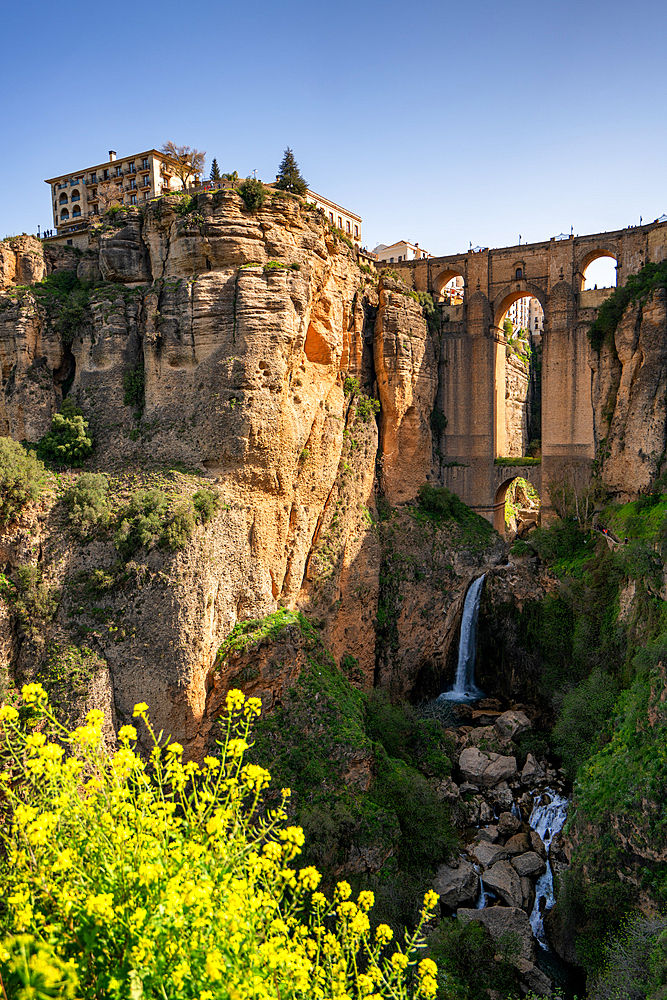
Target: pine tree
point(289, 177)
point(215, 171)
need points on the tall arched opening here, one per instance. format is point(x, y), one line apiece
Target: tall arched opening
point(516, 508)
point(598, 269)
point(519, 319)
point(449, 287)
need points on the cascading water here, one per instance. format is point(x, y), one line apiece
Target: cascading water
point(464, 683)
point(547, 820)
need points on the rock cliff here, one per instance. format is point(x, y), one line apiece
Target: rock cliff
point(248, 347)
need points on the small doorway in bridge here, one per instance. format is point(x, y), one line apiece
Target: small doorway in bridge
point(600, 271)
point(522, 323)
point(516, 508)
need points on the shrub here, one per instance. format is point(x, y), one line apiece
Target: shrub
point(87, 502)
point(636, 962)
point(141, 522)
point(67, 443)
point(21, 479)
point(164, 879)
point(584, 716)
point(134, 384)
point(367, 407)
point(253, 193)
point(207, 504)
point(179, 527)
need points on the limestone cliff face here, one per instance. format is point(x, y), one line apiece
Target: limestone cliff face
point(246, 326)
point(517, 405)
point(407, 378)
point(629, 391)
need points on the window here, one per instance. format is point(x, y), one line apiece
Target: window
point(519, 273)
point(95, 210)
point(331, 217)
point(356, 232)
point(93, 177)
point(133, 184)
point(63, 198)
point(391, 260)
point(76, 196)
point(131, 167)
point(76, 212)
point(64, 215)
point(400, 258)
point(340, 222)
point(69, 243)
point(119, 171)
point(147, 182)
point(106, 175)
point(93, 194)
point(133, 199)
point(146, 196)
point(144, 163)
point(348, 227)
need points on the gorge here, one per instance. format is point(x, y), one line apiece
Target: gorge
point(268, 508)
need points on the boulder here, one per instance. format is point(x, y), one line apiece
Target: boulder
point(501, 796)
point(488, 854)
point(533, 979)
point(528, 890)
point(511, 724)
point(504, 881)
point(473, 763)
point(485, 717)
point(499, 770)
point(532, 772)
point(537, 844)
point(501, 920)
point(530, 865)
point(489, 835)
point(507, 824)
point(518, 844)
point(447, 791)
point(456, 885)
point(485, 813)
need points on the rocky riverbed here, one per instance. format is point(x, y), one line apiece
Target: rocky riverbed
point(494, 878)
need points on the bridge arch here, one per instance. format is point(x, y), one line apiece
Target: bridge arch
point(501, 494)
point(441, 280)
point(507, 298)
point(593, 255)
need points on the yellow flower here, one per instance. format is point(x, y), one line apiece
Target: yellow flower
point(32, 693)
point(399, 961)
point(236, 748)
point(8, 714)
point(95, 718)
point(343, 890)
point(140, 709)
point(235, 700)
point(253, 707)
point(383, 934)
point(174, 748)
point(127, 733)
point(319, 899)
point(431, 900)
point(366, 900)
point(427, 967)
point(310, 877)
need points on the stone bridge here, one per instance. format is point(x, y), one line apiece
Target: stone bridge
point(473, 358)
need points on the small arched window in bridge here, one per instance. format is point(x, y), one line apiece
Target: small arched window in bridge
point(519, 273)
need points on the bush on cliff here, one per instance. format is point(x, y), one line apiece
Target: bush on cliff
point(68, 442)
point(88, 503)
point(22, 479)
point(253, 193)
point(126, 878)
point(637, 288)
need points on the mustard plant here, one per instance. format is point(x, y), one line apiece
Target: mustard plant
point(130, 877)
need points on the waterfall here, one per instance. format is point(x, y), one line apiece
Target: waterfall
point(481, 899)
point(464, 684)
point(547, 820)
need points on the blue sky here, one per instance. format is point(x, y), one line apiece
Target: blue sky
point(437, 122)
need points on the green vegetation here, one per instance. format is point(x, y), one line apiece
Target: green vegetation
point(149, 880)
point(215, 171)
point(471, 964)
point(289, 177)
point(22, 479)
point(65, 299)
point(366, 407)
point(206, 504)
point(440, 504)
point(67, 443)
point(88, 503)
point(637, 289)
point(134, 384)
point(517, 460)
point(253, 193)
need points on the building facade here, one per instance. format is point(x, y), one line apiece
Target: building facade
point(79, 196)
point(341, 218)
point(399, 252)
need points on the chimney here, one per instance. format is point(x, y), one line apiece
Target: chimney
point(112, 154)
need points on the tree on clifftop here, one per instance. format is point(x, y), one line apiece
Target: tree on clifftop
point(187, 162)
point(215, 171)
point(289, 177)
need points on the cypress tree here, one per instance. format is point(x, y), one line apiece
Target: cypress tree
point(215, 171)
point(289, 178)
